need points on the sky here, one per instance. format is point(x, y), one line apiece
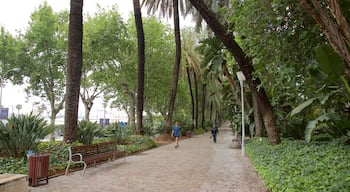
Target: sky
point(15, 15)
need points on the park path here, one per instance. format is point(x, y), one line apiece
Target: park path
point(198, 165)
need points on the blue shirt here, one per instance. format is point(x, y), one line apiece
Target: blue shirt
point(176, 130)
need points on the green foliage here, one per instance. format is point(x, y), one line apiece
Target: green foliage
point(45, 44)
point(87, 131)
point(149, 129)
point(118, 133)
point(139, 143)
point(13, 165)
point(199, 131)
point(298, 166)
point(302, 106)
point(330, 62)
point(58, 152)
point(326, 107)
point(21, 133)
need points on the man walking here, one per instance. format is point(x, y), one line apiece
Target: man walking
point(214, 132)
point(176, 134)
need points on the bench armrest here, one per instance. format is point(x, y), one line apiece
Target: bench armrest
point(77, 154)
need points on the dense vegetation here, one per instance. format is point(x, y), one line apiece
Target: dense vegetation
point(305, 80)
point(298, 166)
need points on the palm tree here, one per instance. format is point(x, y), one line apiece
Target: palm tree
point(246, 65)
point(74, 68)
point(193, 61)
point(141, 65)
point(164, 6)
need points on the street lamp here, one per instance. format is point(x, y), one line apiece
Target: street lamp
point(2, 76)
point(241, 78)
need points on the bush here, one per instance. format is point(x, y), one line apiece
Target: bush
point(297, 166)
point(87, 131)
point(139, 143)
point(58, 152)
point(118, 132)
point(21, 133)
point(13, 165)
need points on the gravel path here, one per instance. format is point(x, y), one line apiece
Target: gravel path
point(198, 165)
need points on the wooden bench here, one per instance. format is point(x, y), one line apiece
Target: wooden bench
point(93, 153)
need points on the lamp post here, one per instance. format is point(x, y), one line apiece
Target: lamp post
point(241, 78)
point(2, 76)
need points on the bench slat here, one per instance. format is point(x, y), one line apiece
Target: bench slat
point(93, 153)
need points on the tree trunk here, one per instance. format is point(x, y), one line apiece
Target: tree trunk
point(88, 107)
point(74, 68)
point(132, 102)
point(257, 119)
point(336, 29)
point(176, 67)
point(246, 65)
point(197, 98)
point(204, 93)
point(54, 112)
point(191, 94)
point(141, 66)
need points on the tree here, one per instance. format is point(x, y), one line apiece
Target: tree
point(45, 47)
point(246, 66)
point(193, 61)
point(141, 65)
point(105, 41)
point(164, 6)
point(74, 68)
point(333, 24)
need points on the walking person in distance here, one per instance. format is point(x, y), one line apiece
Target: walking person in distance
point(214, 132)
point(176, 134)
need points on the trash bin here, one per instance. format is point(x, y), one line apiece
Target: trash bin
point(38, 169)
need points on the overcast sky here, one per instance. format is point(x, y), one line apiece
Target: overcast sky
point(15, 15)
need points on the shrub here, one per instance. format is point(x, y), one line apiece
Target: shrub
point(118, 132)
point(139, 143)
point(21, 133)
point(58, 152)
point(13, 165)
point(87, 131)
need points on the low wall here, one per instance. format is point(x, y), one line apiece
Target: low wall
point(13, 182)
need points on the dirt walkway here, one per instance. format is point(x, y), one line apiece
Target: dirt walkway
point(198, 165)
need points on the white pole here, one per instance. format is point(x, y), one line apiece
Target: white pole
point(243, 130)
point(241, 78)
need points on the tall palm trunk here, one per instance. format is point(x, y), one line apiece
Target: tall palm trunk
point(197, 98)
point(204, 93)
point(74, 68)
point(141, 65)
point(176, 66)
point(246, 65)
point(191, 94)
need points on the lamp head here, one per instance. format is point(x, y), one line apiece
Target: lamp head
point(240, 76)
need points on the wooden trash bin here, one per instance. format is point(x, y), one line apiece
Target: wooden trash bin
point(38, 169)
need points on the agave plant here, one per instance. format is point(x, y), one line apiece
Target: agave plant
point(87, 131)
point(23, 132)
